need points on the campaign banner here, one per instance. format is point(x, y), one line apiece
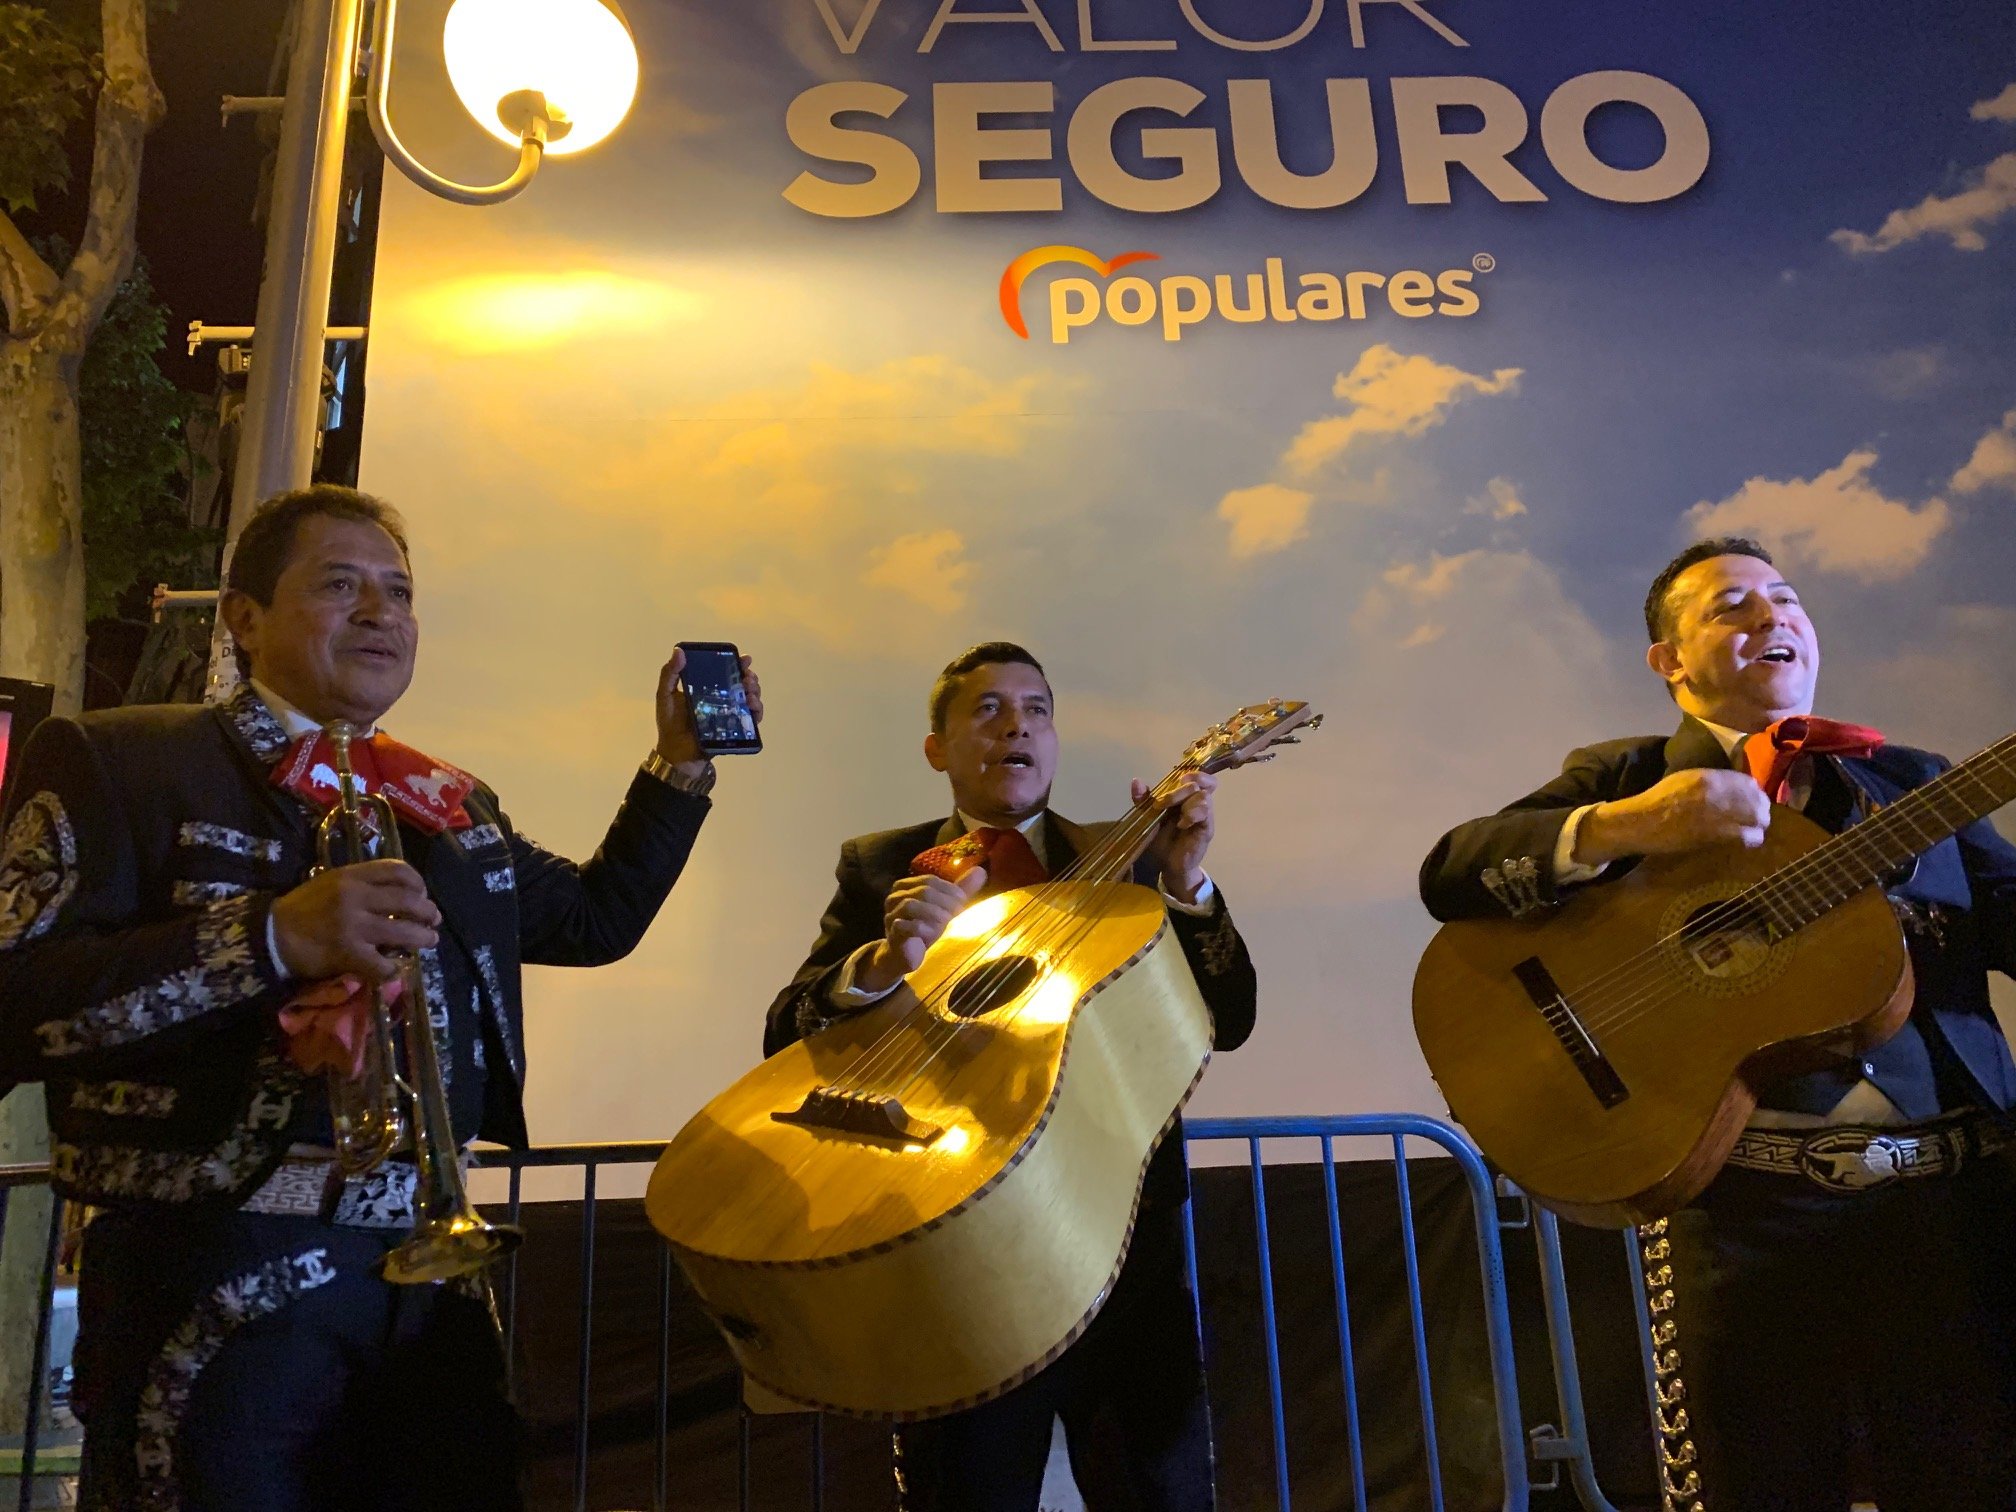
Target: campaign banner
point(1373, 352)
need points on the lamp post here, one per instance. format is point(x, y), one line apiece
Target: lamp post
point(544, 76)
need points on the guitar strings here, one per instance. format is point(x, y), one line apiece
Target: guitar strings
point(1803, 872)
point(1054, 929)
point(1077, 927)
point(1108, 851)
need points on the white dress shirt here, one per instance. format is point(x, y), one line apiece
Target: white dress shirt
point(1863, 1103)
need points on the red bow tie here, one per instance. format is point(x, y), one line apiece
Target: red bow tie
point(1006, 853)
point(427, 793)
point(1771, 753)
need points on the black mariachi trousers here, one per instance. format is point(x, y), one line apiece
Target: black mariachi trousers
point(240, 1362)
point(1130, 1393)
point(1829, 1339)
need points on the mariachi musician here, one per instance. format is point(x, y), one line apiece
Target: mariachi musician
point(161, 933)
point(1130, 1391)
point(1848, 1274)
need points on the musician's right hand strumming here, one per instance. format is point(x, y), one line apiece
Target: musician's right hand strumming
point(913, 919)
point(343, 920)
point(1681, 812)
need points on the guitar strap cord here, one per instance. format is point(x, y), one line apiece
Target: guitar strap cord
point(1679, 1472)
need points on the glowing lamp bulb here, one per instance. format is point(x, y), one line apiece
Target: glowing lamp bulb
point(505, 55)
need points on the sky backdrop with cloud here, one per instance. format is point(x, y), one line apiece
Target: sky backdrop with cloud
point(653, 400)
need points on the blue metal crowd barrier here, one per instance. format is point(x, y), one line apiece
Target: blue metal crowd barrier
point(1566, 1445)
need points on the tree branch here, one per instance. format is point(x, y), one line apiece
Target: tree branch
point(128, 106)
point(27, 283)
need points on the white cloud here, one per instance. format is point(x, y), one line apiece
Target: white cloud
point(1993, 464)
point(1500, 500)
point(1907, 372)
point(2001, 108)
point(1836, 522)
point(1389, 395)
point(1266, 517)
point(928, 568)
point(1958, 217)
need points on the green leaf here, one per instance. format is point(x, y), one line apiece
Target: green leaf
point(47, 74)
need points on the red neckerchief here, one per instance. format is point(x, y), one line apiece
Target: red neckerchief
point(427, 793)
point(1771, 753)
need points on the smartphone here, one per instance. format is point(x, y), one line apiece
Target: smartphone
point(721, 717)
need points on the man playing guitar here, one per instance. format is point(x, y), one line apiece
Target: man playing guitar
point(1845, 1278)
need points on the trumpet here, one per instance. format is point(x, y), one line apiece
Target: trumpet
point(398, 1097)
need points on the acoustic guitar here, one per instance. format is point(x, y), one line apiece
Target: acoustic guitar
point(1606, 1057)
point(922, 1206)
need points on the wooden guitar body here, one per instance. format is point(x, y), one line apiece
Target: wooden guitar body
point(1606, 1057)
point(906, 1262)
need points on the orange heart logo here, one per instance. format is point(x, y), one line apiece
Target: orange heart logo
point(1016, 272)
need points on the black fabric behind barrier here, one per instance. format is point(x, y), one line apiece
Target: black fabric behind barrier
point(702, 1416)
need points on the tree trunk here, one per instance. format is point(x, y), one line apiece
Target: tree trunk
point(41, 521)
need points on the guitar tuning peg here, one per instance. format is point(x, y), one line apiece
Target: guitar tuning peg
point(1268, 757)
point(1315, 721)
point(1289, 740)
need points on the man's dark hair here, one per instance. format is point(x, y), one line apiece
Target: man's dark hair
point(986, 654)
point(266, 544)
point(1658, 618)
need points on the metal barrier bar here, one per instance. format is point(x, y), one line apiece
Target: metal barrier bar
point(660, 1465)
point(581, 1415)
point(1338, 1291)
point(1491, 1262)
point(1397, 1128)
point(1272, 1332)
point(1418, 1323)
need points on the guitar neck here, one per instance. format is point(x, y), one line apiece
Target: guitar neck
point(1114, 857)
point(1863, 854)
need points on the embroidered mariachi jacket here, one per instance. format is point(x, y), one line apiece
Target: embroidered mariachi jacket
point(872, 864)
point(1958, 902)
point(141, 857)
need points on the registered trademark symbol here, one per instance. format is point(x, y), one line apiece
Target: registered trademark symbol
point(1483, 262)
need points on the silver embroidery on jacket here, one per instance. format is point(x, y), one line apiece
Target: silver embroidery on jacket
point(200, 833)
point(124, 1099)
point(493, 988)
point(164, 1400)
point(478, 837)
point(436, 987)
point(255, 724)
point(38, 870)
point(101, 1172)
point(1515, 883)
point(500, 881)
point(197, 894)
point(227, 971)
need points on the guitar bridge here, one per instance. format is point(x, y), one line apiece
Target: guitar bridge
point(1570, 1031)
point(860, 1113)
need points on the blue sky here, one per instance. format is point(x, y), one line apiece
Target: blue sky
point(816, 437)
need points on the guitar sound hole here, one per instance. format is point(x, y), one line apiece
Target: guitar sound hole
point(993, 985)
point(1727, 940)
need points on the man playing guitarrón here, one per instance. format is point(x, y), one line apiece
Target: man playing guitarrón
point(1135, 1380)
point(1847, 1275)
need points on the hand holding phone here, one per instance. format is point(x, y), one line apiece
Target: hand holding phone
point(723, 721)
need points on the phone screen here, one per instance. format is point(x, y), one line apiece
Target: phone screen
point(721, 716)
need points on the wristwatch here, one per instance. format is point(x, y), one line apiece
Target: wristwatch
point(666, 773)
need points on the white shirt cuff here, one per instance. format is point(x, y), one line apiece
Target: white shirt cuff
point(1567, 870)
point(843, 993)
point(1205, 893)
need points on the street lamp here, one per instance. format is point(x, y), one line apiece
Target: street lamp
point(540, 75)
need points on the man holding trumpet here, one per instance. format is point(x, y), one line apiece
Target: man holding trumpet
point(183, 977)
